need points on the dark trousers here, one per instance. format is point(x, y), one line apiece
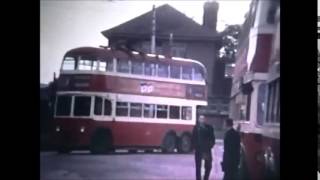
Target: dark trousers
point(230, 174)
point(207, 165)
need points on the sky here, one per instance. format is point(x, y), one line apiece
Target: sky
point(67, 24)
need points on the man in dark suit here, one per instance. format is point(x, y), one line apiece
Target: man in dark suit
point(203, 140)
point(231, 154)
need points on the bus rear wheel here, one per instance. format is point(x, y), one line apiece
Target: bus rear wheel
point(169, 142)
point(185, 143)
point(101, 142)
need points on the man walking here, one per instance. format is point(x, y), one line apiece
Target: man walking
point(203, 140)
point(231, 154)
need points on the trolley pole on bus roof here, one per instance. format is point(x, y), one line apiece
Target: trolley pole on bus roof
point(153, 36)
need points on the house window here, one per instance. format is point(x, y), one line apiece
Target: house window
point(122, 109)
point(149, 110)
point(82, 106)
point(178, 51)
point(69, 63)
point(229, 68)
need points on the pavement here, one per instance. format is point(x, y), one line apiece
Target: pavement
point(121, 165)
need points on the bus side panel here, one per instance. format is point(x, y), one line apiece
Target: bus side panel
point(144, 134)
point(253, 154)
point(124, 133)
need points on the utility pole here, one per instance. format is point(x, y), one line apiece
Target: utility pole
point(153, 36)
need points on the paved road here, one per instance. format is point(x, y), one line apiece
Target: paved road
point(124, 166)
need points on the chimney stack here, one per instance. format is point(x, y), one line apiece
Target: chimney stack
point(210, 14)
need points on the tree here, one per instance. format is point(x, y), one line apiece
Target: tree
point(229, 42)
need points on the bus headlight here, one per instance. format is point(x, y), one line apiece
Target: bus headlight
point(82, 129)
point(58, 129)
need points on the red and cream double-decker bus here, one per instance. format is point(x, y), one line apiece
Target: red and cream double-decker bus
point(255, 92)
point(108, 98)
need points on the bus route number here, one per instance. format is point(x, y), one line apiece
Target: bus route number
point(146, 88)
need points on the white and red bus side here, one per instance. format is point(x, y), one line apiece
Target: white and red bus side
point(108, 98)
point(255, 93)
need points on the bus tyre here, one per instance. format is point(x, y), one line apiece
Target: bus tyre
point(169, 142)
point(101, 142)
point(185, 143)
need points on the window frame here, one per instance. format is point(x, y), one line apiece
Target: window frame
point(74, 106)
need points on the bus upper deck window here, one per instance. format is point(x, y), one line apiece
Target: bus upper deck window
point(150, 69)
point(137, 67)
point(162, 70)
point(198, 74)
point(175, 72)
point(123, 65)
point(102, 66)
point(85, 64)
point(186, 73)
point(68, 63)
point(95, 65)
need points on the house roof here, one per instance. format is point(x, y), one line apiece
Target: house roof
point(168, 20)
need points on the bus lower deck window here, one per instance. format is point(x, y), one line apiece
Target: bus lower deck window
point(107, 107)
point(63, 105)
point(186, 113)
point(162, 111)
point(135, 110)
point(82, 105)
point(174, 112)
point(122, 109)
point(149, 110)
point(98, 106)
